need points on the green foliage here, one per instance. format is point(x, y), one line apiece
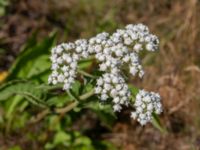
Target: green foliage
point(33, 61)
point(29, 90)
point(15, 148)
point(157, 124)
point(72, 141)
point(26, 84)
point(3, 4)
point(104, 112)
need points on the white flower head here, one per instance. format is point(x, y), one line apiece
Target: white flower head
point(145, 104)
point(115, 53)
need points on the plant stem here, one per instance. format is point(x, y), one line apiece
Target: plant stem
point(62, 110)
point(66, 108)
point(85, 74)
point(75, 103)
point(87, 95)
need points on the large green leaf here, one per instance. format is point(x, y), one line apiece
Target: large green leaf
point(40, 66)
point(32, 60)
point(28, 90)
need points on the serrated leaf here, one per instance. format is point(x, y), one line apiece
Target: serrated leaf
point(26, 89)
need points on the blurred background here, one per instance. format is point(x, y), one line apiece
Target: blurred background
point(29, 28)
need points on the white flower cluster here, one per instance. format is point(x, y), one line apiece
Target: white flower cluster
point(113, 86)
point(114, 52)
point(145, 104)
point(64, 62)
point(121, 48)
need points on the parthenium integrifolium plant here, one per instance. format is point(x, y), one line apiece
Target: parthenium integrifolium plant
point(114, 52)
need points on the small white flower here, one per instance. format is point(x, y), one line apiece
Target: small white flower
point(116, 100)
point(137, 47)
point(97, 90)
point(78, 49)
point(107, 86)
point(113, 93)
point(126, 58)
point(133, 70)
point(54, 66)
point(127, 41)
point(101, 58)
point(118, 53)
point(133, 115)
point(61, 78)
point(149, 47)
point(66, 86)
point(69, 59)
point(115, 80)
point(66, 74)
point(54, 82)
point(117, 107)
point(104, 97)
point(118, 87)
point(100, 81)
point(103, 67)
point(73, 65)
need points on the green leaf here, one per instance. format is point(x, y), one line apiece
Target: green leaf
point(40, 66)
point(85, 63)
point(156, 123)
point(82, 141)
point(76, 88)
point(74, 92)
point(134, 91)
point(103, 145)
point(3, 5)
point(104, 112)
point(61, 137)
point(26, 89)
point(87, 87)
point(15, 148)
point(32, 60)
point(58, 100)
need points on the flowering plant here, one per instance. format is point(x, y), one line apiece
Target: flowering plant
point(116, 54)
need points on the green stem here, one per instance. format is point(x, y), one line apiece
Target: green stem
point(86, 74)
point(87, 95)
point(62, 110)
